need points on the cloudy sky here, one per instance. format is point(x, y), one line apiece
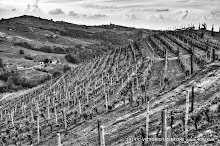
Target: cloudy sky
point(154, 14)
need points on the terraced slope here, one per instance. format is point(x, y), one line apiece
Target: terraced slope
point(113, 89)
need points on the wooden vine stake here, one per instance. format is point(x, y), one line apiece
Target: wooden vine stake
point(87, 95)
point(58, 140)
point(48, 107)
point(106, 100)
point(187, 114)
point(80, 110)
point(22, 108)
point(99, 132)
point(192, 100)
point(102, 136)
point(164, 126)
point(32, 115)
point(64, 117)
point(1, 116)
point(147, 119)
point(38, 128)
point(137, 83)
point(191, 62)
point(55, 112)
point(166, 64)
point(12, 119)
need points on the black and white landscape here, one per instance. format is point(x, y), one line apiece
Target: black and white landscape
point(109, 73)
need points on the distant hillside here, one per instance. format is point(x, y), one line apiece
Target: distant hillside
point(61, 42)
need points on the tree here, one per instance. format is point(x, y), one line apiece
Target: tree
point(204, 26)
point(66, 68)
point(21, 51)
point(212, 33)
point(1, 63)
point(78, 46)
point(10, 82)
point(72, 58)
point(47, 60)
point(56, 74)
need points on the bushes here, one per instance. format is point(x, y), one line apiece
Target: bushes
point(71, 58)
point(25, 45)
point(47, 49)
point(47, 60)
point(23, 82)
point(56, 74)
point(21, 51)
point(66, 68)
point(1, 63)
point(59, 50)
point(28, 57)
point(15, 82)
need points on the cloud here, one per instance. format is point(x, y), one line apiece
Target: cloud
point(183, 15)
point(132, 16)
point(34, 9)
point(156, 17)
point(215, 14)
point(72, 13)
point(56, 11)
point(98, 6)
point(162, 10)
point(96, 16)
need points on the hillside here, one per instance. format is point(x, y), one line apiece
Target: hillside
point(156, 71)
point(27, 42)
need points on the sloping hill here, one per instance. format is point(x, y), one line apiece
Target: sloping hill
point(114, 87)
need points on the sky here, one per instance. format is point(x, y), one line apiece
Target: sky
point(154, 14)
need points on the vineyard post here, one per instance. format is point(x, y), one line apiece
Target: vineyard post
point(95, 82)
point(55, 112)
point(206, 55)
point(102, 78)
point(186, 114)
point(32, 116)
point(137, 77)
point(48, 107)
point(12, 119)
point(68, 100)
point(16, 107)
point(58, 140)
point(106, 100)
point(166, 63)
point(1, 115)
point(22, 107)
point(164, 126)
point(147, 119)
point(191, 61)
point(64, 117)
point(87, 95)
point(99, 134)
point(80, 110)
point(55, 96)
point(75, 95)
point(102, 136)
point(213, 54)
point(133, 93)
point(192, 100)
point(38, 128)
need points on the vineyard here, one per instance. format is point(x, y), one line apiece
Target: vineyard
point(164, 86)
